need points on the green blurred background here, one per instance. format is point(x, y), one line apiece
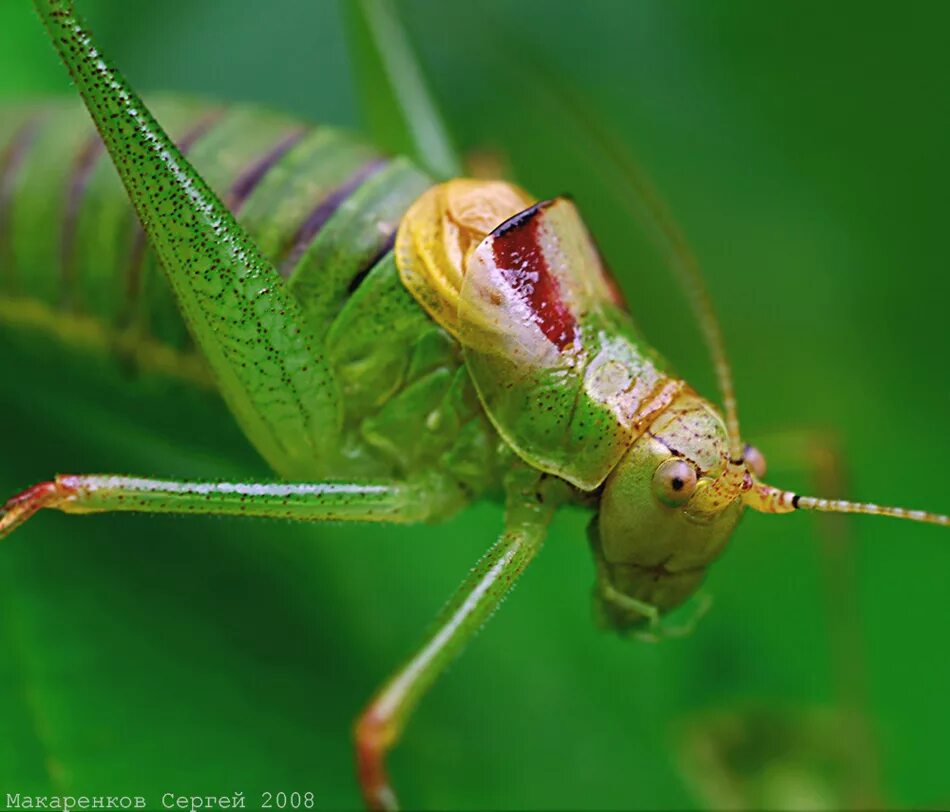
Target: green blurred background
point(803, 149)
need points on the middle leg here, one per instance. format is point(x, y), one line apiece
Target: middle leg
point(532, 500)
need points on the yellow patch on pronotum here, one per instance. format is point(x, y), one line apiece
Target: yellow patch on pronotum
point(440, 231)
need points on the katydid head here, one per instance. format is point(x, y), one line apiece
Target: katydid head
point(668, 508)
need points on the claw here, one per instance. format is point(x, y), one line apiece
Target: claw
point(18, 509)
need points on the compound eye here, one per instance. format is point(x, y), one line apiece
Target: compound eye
point(755, 460)
point(674, 482)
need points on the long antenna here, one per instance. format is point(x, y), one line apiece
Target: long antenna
point(656, 217)
point(768, 499)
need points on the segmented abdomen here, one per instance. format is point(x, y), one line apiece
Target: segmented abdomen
point(323, 206)
point(320, 204)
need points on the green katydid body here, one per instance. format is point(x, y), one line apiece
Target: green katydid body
point(324, 209)
point(392, 347)
point(321, 205)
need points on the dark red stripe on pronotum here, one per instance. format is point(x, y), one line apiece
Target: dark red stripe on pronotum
point(247, 181)
point(323, 211)
point(520, 259)
point(10, 162)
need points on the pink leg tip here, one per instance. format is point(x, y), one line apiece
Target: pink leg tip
point(372, 742)
point(18, 509)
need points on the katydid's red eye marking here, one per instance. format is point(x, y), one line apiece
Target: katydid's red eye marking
point(755, 461)
point(674, 482)
point(520, 257)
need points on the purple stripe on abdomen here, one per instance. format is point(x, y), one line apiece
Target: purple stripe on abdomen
point(75, 190)
point(247, 181)
point(10, 165)
point(323, 211)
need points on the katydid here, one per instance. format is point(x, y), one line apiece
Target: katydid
point(395, 343)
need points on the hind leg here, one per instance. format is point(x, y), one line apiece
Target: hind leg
point(273, 375)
